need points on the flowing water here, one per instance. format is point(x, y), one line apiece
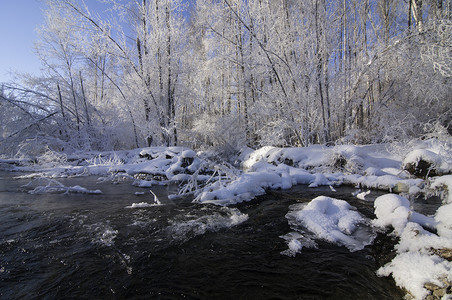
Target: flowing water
point(83, 246)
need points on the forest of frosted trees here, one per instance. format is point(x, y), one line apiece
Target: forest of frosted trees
point(233, 73)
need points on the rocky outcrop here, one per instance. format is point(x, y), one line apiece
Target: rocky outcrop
point(438, 292)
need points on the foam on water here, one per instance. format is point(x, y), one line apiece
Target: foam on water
point(296, 242)
point(188, 226)
point(101, 233)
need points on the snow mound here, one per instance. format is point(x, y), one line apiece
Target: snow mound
point(332, 220)
point(392, 210)
point(245, 188)
point(362, 195)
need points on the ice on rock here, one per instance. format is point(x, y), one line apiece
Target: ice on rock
point(394, 210)
point(257, 156)
point(295, 246)
point(372, 171)
point(55, 187)
point(244, 188)
point(415, 238)
point(143, 183)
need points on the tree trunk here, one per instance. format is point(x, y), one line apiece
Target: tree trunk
point(417, 14)
point(84, 100)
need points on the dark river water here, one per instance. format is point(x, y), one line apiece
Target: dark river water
point(80, 246)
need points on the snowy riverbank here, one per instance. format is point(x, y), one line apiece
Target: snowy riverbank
point(422, 265)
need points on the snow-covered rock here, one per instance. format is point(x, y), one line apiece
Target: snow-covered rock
point(422, 163)
point(392, 210)
point(443, 185)
point(422, 256)
point(332, 220)
point(443, 217)
point(412, 271)
point(188, 154)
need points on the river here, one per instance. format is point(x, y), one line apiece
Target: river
point(83, 246)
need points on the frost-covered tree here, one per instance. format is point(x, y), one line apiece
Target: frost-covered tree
point(240, 72)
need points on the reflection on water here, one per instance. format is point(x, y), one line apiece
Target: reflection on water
point(79, 245)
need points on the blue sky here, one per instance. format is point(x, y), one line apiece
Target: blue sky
point(18, 21)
